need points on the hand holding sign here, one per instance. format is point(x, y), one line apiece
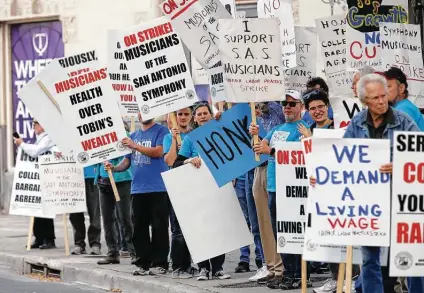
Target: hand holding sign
point(129, 143)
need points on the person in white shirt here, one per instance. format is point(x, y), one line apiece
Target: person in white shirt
point(43, 228)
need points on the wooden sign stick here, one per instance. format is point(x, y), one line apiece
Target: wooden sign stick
point(349, 256)
point(65, 228)
point(255, 137)
point(340, 277)
point(229, 105)
point(48, 94)
point(114, 188)
point(30, 228)
point(304, 276)
point(175, 125)
point(132, 125)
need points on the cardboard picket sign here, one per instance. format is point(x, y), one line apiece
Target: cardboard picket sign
point(344, 109)
point(158, 68)
point(62, 185)
point(94, 121)
point(118, 74)
point(363, 39)
point(282, 9)
point(401, 47)
point(251, 59)
point(223, 227)
point(196, 22)
point(26, 198)
point(216, 83)
point(225, 145)
point(306, 56)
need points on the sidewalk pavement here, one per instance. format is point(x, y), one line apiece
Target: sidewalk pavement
point(84, 269)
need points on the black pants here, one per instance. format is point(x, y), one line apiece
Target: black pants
point(78, 219)
point(43, 230)
point(123, 209)
point(214, 264)
point(180, 254)
point(151, 209)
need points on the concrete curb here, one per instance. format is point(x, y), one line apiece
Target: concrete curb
point(103, 278)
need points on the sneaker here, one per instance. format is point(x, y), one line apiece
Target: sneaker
point(261, 275)
point(181, 274)
point(287, 284)
point(274, 282)
point(78, 250)
point(139, 271)
point(157, 271)
point(95, 250)
point(329, 287)
point(353, 290)
point(124, 254)
point(221, 275)
point(203, 275)
point(242, 267)
point(48, 245)
point(297, 284)
point(109, 260)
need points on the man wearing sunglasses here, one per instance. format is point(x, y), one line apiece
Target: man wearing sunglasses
point(288, 132)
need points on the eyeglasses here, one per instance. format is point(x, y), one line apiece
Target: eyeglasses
point(183, 114)
point(291, 104)
point(308, 95)
point(319, 107)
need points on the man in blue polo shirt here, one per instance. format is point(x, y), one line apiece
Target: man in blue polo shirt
point(150, 200)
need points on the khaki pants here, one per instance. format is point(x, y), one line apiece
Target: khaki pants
point(269, 245)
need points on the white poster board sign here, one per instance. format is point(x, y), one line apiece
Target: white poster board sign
point(196, 22)
point(332, 36)
point(282, 9)
point(349, 204)
point(199, 74)
point(26, 199)
point(118, 74)
point(251, 60)
point(216, 83)
point(401, 47)
point(407, 206)
point(344, 109)
point(363, 33)
point(292, 196)
point(62, 185)
point(94, 119)
point(158, 68)
point(306, 56)
point(223, 227)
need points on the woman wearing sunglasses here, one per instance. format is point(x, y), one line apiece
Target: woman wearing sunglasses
point(317, 104)
point(202, 114)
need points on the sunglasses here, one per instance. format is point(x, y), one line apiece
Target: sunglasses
point(308, 95)
point(291, 104)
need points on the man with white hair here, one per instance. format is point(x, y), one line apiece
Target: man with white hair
point(378, 121)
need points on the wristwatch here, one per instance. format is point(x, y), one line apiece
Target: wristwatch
point(272, 152)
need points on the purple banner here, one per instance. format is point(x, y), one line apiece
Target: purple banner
point(34, 45)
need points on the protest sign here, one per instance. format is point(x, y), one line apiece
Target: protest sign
point(200, 75)
point(407, 205)
point(94, 121)
point(197, 24)
point(223, 226)
point(332, 35)
point(230, 6)
point(282, 9)
point(401, 47)
point(348, 205)
point(344, 109)
point(292, 197)
point(26, 199)
point(226, 144)
point(62, 185)
point(251, 59)
point(118, 74)
point(328, 252)
point(216, 83)
point(306, 56)
point(363, 32)
point(158, 68)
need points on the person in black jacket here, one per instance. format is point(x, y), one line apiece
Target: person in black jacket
point(317, 104)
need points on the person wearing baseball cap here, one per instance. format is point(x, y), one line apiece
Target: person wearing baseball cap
point(398, 95)
point(287, 132)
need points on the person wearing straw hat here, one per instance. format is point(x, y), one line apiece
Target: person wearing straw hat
point(43, 228)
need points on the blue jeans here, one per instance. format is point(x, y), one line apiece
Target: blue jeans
point(292, 262)
point(245, 196)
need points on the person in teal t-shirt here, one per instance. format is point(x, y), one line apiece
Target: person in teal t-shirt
point(288, 132)
point(398, 95)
